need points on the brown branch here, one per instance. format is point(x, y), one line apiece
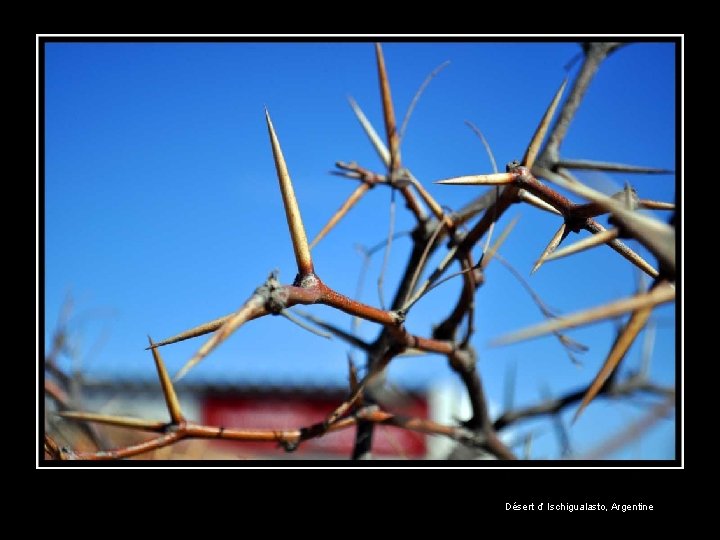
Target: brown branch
point(595, 53)
point(463, 362)
point(289, 439)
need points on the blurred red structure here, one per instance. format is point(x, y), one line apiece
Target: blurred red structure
point(290, 412)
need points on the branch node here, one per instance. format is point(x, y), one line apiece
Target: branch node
point(273, 293)
point(463, 360)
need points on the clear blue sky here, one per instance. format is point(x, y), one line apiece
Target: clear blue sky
point(162, 208)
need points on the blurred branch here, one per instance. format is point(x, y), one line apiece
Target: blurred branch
point(631, 433)
point(632, 385)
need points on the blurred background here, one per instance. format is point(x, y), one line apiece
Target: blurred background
point(162, 211)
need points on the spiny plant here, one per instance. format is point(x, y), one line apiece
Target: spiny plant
point(527, 181)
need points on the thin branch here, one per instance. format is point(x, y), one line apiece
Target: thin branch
point(334, 330)
point(660, 295)
point(254, 307)
point(509, 386)
point(477, 205)
point(619, 349)
point(290, 316)
point(594, 227)
point(463, 362)
point(485, 143)
point(289, 439)
point(631, 386)
point(568, 344)
point(647, 350)
point(595, 53)
point(631, 433)
point(424, 257)
point(418, 94)
point(386, 256)
point(434, 280)
point(434, 206)
point(493, 163)
point(586, 164)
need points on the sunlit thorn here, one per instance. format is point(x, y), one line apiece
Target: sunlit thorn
point(661, 294)
point(537, 202)
point(171, 399)
point(586, 243)
point(655, 235)
point(655, 205)
point(554, 242)
point(196, 331)
point(253, 308)
point(119, 421)
point(536, 142)
point(354, 197)
point(393, 141)
point(292, 211)
point(498, 179)
point(375, 139)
